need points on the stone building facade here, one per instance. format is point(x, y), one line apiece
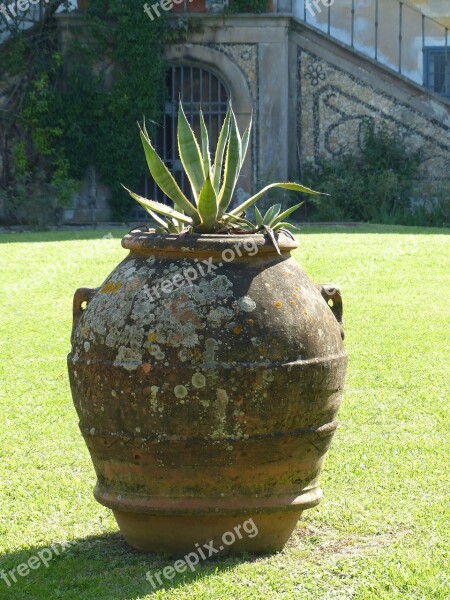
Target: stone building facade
point(309, 94)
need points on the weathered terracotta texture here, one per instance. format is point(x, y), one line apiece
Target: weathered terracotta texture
point(211, 404)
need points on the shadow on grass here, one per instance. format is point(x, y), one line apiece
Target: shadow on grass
point(103, 567)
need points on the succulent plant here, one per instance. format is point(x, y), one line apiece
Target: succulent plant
point(213, 184)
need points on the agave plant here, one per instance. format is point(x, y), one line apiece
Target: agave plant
point(213, 183)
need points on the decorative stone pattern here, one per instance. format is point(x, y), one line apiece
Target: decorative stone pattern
point(314, 73)
point(246, 57)
point(333, 107)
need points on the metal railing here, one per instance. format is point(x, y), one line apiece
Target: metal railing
point(391, 32)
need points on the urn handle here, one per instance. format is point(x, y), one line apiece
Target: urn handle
point(332, 296)
point(82, 296)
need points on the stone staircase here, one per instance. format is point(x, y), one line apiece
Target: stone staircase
point(390, 32)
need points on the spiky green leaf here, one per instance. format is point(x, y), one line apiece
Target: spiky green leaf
point(220, 152)
point(227, 218)
point(284, 215)
point(258, 217)
point(232, 166)
point(162, 209)
point(246, 140)
point(295, 187)
point(190, 154)
point(205, 147)
point(164, 179)
point(179, 227)
point(288, 226)
point(271, 214)
point(207, 207)
point(273, 239)
point(157, 218)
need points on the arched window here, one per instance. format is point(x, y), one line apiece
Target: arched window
point(197, 88)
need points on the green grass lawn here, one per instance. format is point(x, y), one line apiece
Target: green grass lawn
point(382, 530)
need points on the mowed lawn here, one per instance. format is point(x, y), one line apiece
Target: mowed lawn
point(382, 530)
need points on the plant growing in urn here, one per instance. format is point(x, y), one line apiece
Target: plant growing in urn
point(207, 370)
point(213, 184)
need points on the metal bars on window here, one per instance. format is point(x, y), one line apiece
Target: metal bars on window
point(197, 88)
point(437, 71)
point(400, 36)
point(446, 66)
point(376, 28)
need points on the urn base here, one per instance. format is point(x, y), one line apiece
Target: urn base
point(210, 535)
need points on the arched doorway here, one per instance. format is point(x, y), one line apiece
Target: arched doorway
point(197, 88)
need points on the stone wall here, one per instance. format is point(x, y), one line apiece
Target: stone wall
point(336, 94)
point(333, 106)
point(312, 95)
point(438, 9)
point(375, 28)
point(250, 55)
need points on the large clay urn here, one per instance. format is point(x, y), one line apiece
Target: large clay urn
point(207, 372)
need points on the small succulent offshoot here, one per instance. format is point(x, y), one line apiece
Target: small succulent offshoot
point(213, 184)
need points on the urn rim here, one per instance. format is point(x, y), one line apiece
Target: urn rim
point(150, 241)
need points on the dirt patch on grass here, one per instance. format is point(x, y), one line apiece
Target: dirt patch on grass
point(326, 541)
